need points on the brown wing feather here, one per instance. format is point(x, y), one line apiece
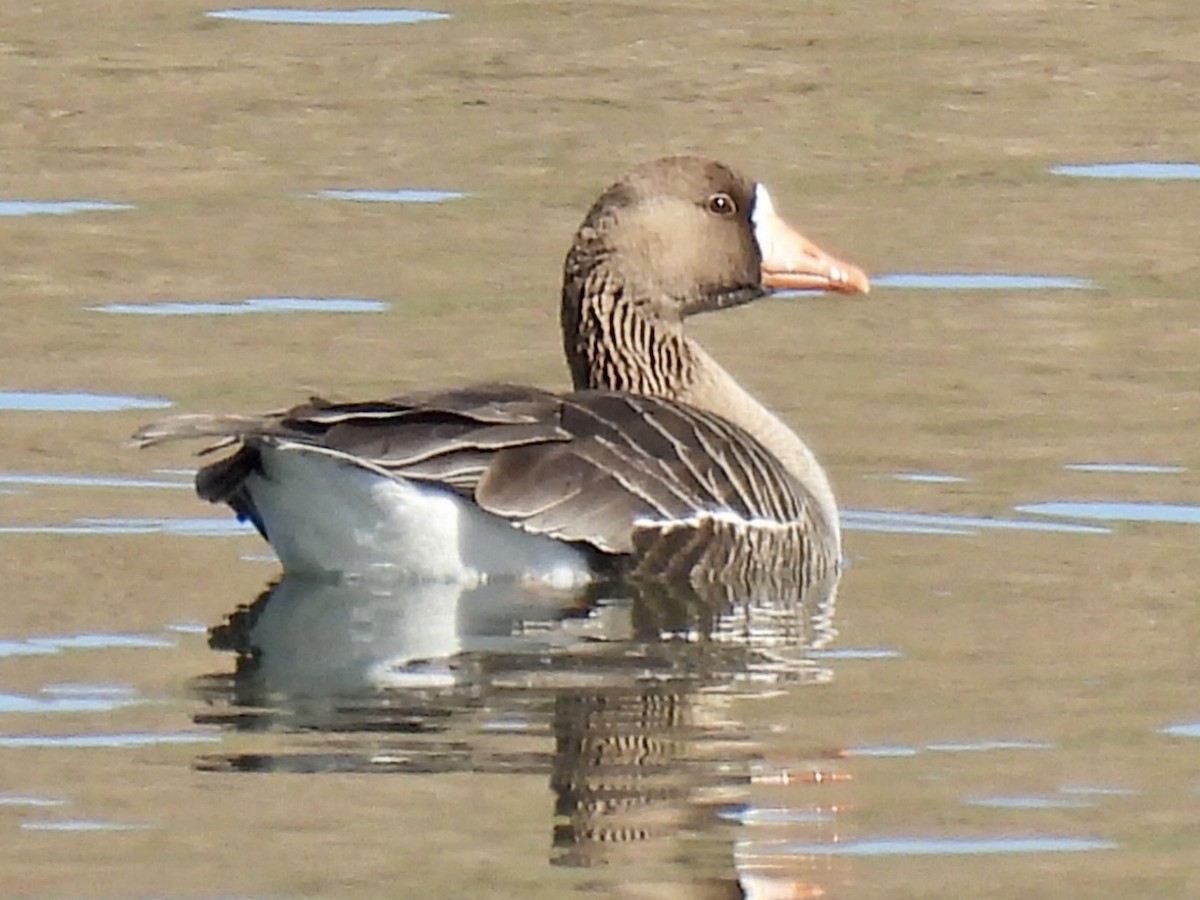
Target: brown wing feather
point(590, 466)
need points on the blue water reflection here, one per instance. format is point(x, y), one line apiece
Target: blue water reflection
point(400, 196)
point(84, 825)
point(775, 815)
point(987, 746)
point(1089, 790)
point(117, 739)
point(286, 16)
point(882, 751)
point(926, 523)
point(928, 478)
point(36, 646)
point(1027, 802)
point(33, 478)
point(25, 703)
point(74, 401)
point(245, 307)
point(1133, 170)
point(29, 800)
point(1117, 511)
point(188, 628)
point(57, 207)
point(77, 689)
point(194, 527)
point(855, 653)
point(1126, 468)
point(981, 281)
point(945, 846)
point(901, 750)
point(23, 648)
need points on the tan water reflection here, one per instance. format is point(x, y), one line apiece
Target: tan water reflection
point(621, 699)
point(1012, 663)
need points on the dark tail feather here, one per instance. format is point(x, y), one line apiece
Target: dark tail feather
point(224, 481)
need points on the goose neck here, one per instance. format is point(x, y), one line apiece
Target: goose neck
point(713, 389)
point(617, 340)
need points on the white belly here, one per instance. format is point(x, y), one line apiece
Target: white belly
point(324, 515)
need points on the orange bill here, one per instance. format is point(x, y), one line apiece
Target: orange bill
point(790, 261)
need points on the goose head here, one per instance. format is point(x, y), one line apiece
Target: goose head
point(672, 238)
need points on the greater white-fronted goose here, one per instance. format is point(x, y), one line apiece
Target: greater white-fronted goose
point(658, 460)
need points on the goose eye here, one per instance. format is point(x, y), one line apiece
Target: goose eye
point(722, 205)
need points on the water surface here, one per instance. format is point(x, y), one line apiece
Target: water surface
point(1154, 171)
point(290, 16)
point(1117, 511)
point(408, 195)
point(245, 307)
point(36, 479)
point(980, 281)
point(905, 846)
point(192, 527)
point(76, 401)
point(1008, 421)
point(1120, 468)
point(57, 207)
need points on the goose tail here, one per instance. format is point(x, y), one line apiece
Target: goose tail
point(226, 429)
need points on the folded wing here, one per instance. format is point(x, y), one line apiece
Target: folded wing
point(594, 467)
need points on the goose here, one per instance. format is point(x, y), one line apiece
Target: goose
point(656, 462)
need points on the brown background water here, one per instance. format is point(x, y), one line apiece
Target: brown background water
point(910, 137)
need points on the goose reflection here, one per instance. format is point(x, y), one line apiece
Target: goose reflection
point(619, 693)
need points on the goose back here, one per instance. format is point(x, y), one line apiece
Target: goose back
point(616, 473)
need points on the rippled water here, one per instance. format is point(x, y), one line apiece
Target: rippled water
point(57, 207)
point(1152, 171)
point(246, 307)
point(286, 16)
point(211, 527)
point(398, 196)
point(1116, 510)
point(984, 281)
point(75, 401)
point(1000, 700)
point(33, 479)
